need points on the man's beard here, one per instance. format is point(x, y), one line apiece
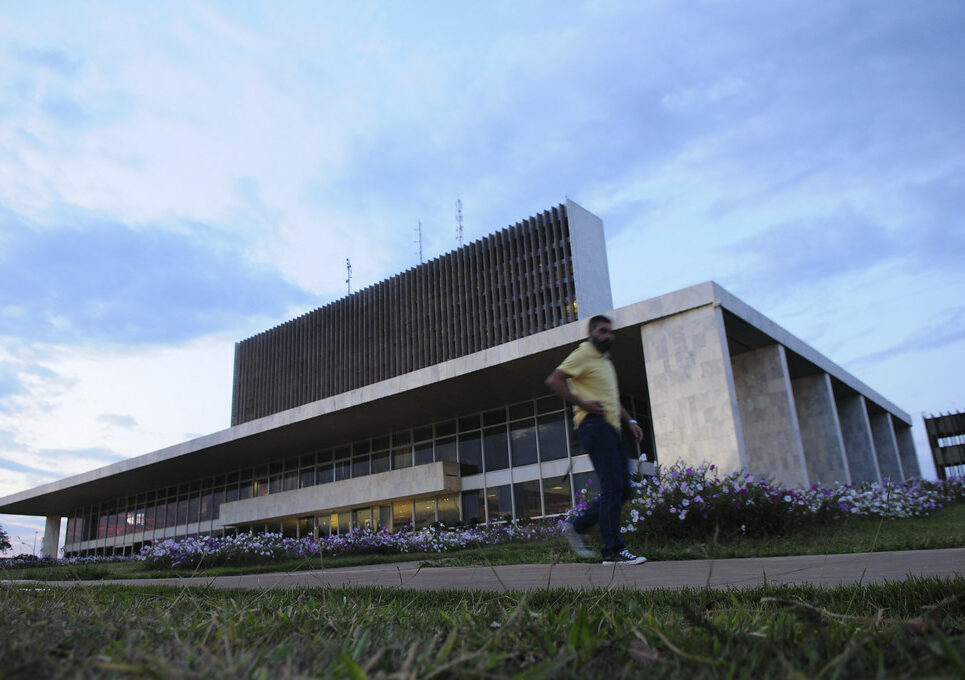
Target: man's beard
point(603, 345)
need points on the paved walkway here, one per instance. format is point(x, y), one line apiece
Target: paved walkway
point(824, 570)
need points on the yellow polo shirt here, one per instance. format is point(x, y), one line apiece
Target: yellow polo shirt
point(593, 378)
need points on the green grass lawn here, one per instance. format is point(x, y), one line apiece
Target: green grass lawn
point(943, 529)
point(904, 629)
point(912, 628)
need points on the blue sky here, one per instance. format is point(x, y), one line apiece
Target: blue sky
point(176, 177)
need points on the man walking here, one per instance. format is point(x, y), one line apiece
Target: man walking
point(587, 380)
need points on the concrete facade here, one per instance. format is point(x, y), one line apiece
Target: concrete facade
point(858, 443)
point(693, 401)
point(886, 446)
point(772, 437)
point(906, 450)
point(476, 436)
point(821, 436)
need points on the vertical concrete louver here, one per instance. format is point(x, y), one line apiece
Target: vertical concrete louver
point(513, 283)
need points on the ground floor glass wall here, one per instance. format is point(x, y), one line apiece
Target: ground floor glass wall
point(521, 434)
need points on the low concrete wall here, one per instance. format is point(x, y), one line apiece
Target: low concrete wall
point(421, 480)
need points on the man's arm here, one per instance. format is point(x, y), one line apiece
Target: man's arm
point(557, 382)
point(637, 431)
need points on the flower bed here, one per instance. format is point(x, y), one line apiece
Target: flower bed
point(243, 549)
point(687, 501)
point(680, 501)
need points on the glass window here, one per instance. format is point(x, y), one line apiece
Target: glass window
point(425, 512)
point(423, 453)
point(325, 456)
point(326, 474)
point(344, 522)
point(448, 510)
point(307, 461)
point(380, 462)
point(385, 517)
point(403, 437)
point(260, 485)
point(552, 436)
point(494, 417)
point(276, 483)
point(402, 457)
point(496, 447)
point(523, 442)
point(306, 478)
point(526, 495)
point(230, 495)
point(422, 434)
point(182, 510)
point(216, 500)
point(159, 517)
point(446, 449)
point(343, 469)
point(401, 515)
point(306, 526)
point(556, 494)
point(378, 444)
point(206, 507)
point(171, 514)
point(470, 453)
point(469, 423)
point(362, 519)
point(291, 480)
point(499, 503)
point(360, 465)
point(523, 410)
point(473, 507)
point(445, 429)
point(549, 404)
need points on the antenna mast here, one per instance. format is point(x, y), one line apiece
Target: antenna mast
point(459, 221)
point(348, 277)
point(419, 240)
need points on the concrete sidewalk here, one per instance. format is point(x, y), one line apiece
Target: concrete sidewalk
point(823, 570)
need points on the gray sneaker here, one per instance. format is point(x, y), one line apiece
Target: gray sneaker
point(577, 542)
point(624, 557)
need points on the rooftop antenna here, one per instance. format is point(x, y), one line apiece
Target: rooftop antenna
point(348, 277)
point(459, 221)
point(419, 240)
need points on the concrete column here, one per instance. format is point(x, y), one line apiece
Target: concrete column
point(692, 398)
point(820, 430)
point(51, 537)
point(858, 445)
point(772, 437)
point(886, 448)
point(906, 449)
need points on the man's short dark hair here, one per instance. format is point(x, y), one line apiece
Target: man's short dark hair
point(597, 320)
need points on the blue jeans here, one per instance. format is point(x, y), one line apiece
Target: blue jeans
point(605, 446)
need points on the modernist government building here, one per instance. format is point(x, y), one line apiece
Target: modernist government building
point(421, 399)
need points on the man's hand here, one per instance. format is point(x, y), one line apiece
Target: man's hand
point(637, 432)
point(594, 407)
